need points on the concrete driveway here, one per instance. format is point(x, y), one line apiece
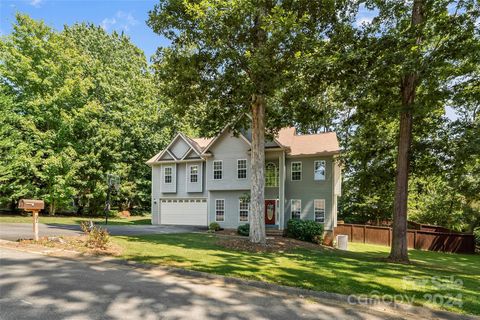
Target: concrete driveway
point(35, 286)
point(15, 231)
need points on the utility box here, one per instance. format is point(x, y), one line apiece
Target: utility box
point(31, 205)
point(342, 242)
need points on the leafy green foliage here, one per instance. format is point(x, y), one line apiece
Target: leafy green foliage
point(76, 105)
point(244, 230)
point(305, 230)
point(214, 226)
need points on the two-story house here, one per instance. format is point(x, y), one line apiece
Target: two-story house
point(196, 181)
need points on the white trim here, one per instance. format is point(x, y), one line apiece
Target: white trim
point(219, 135)
point(172, 142)
point(277, 175)
point(246, 169)
point(244, 138)
point(324, 210)
point(325, 168)
point(213, 170)
point(248, 212)
point(171, 174)
point(172, 155)
point(291, 208)
point(166, 149)
point(185, 138)
point(189, 180)
point(291, 170)
point(213, 140)
point(216, 210)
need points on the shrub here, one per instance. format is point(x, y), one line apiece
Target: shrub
point(244, 230)
point(476, 232)
point(97, 237)
point(214, 226)
point(305, 230)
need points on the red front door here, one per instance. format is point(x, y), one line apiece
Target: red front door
point(269, 211)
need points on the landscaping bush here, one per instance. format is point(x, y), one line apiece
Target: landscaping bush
point(476, 232)
point(214, 226)
point(305, 230)
point(97, 237)
point(244, 230)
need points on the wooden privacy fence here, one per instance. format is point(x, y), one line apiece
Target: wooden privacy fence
point(418, 239)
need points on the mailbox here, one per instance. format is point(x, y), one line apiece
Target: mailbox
point(31, 205)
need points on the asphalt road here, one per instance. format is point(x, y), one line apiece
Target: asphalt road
point(15, 231)
point(34, 286)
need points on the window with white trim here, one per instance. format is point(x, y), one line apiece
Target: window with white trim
point(271, 175)
point(244, 207)
point(194, 173)
point(167, 174)
point(217, 169)
point(296, 171)
point(219, 210)
point(296, 207)
point(319, 167)
point(242, 168)
point(319, 210)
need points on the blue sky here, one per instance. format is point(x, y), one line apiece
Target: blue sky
point(128, 16)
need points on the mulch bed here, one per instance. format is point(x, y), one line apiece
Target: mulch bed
point(274, 244)
point(65, 245)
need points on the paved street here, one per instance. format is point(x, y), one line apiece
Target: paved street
point(34, 286)
point(15, 231)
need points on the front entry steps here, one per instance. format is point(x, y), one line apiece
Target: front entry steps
point(273, 230)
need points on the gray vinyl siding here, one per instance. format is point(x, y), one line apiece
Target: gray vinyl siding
point(182, 183)
point(156, 176)
point(232, 206)
point(229, 149)
point(179, 148)
point(168, 187)
point(307, 190)
point(194, 187)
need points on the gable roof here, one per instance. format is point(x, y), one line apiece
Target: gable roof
point(213, 140)
point(295, 145)
point(180, 135)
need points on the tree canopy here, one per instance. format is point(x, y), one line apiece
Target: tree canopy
point(76, 105)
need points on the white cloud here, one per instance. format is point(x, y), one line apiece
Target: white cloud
point(121, 21)
point(107, 23)
point(36, 3)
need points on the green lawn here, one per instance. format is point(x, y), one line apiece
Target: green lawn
point(360, 271)
point(76, 220)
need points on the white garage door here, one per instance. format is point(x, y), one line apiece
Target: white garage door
point(184, 212)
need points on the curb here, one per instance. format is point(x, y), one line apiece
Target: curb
point(367, 303)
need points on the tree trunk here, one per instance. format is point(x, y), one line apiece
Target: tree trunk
point(399, 250)
point(51, 210)
point(257, 202)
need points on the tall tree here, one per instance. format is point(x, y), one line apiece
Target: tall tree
point(228, 58)
point(415, 49)
point(76, 104)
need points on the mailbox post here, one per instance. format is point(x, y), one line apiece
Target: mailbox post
point(33, 206)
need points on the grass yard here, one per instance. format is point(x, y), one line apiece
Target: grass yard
point(360, 271)
point(133, 220)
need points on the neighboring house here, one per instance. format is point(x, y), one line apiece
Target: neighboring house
point(199, 181)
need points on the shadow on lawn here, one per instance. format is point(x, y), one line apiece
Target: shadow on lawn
point(59, 288)
point(337, 271)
